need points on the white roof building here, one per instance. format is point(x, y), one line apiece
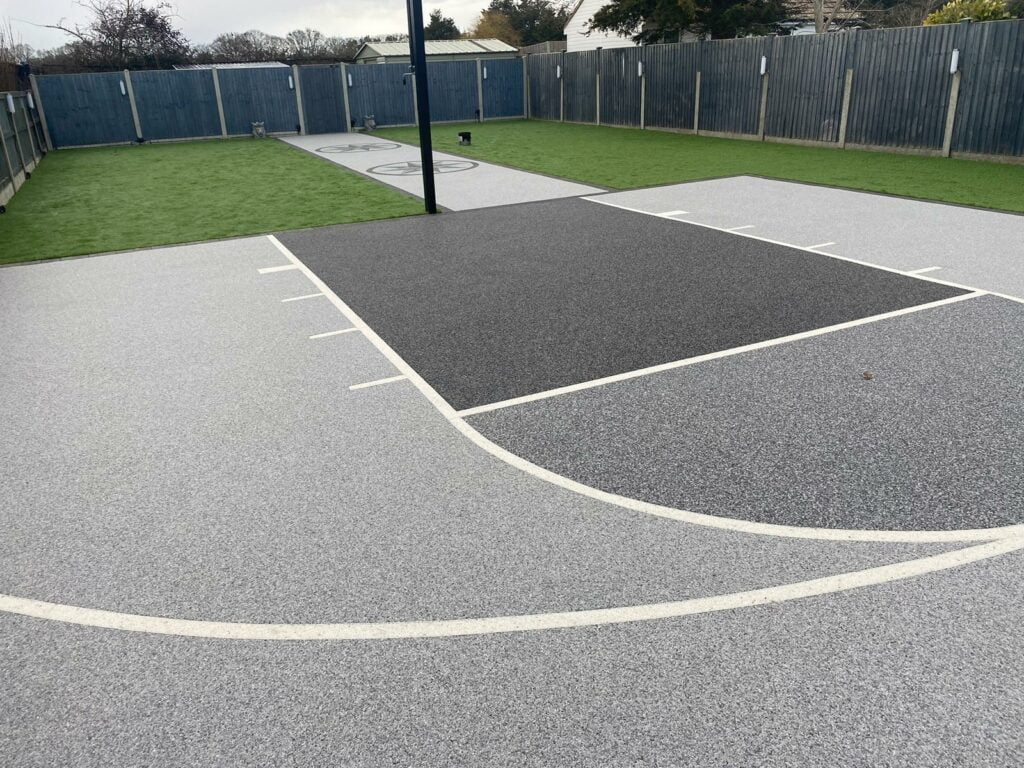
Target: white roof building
point(437, 50)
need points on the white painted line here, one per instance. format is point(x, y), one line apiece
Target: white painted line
point(961, 286)
point(737, 229)
point(635, 505)
point(332, 333)
point(300, 298)
point(819, 245)
point(388, 380)
point(675, 213)
point(711, 356)
point(502, 624)
point(922, 271)
point(269, 270)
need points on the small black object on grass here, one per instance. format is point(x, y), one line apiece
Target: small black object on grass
point(465, 137)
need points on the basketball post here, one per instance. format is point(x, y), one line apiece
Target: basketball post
point(418, 59)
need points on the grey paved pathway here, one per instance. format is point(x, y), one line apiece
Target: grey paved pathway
point(461, 184)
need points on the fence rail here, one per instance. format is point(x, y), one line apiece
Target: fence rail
point(22, 143)
point(950, 89)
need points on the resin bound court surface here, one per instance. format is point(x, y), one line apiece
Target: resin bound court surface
point(587, 481)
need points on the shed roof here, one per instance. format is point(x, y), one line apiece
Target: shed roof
point(438, 48)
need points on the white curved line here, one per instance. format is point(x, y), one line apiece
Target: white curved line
point(686, 516)
point(501, 624)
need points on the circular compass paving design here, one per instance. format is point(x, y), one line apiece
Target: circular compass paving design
point(415, 167)
point(375, 147)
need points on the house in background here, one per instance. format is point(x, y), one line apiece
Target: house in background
point(578, 26)
point(437, 50)
point(576, 37)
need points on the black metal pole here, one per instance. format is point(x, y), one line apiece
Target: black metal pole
point(418, 58)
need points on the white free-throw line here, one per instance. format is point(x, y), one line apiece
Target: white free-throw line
point(635, 505)
point(332, 333)
point(268, 270)
point(961, 286)
point(388, 380)
point(502, 624)
point(711, 356)
point(737, 229)
point(820, 245)
point(300, 298)
point(922, 271)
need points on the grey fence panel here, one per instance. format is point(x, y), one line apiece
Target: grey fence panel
point(87, 109)
point(453, 91)
point(901, 86)
point(580, 74)
point(620, 86)
point(7, 173)
point(990, 108)
point(545, 86)
point(806, 75)
point(730, 84)
point(262, 95)
point(323, 100)
point(176, 105)
point(503, 88)
point(381, 90)
point(23, 130)
point(671, 75)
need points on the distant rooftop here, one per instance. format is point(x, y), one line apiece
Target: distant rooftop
point(438, 48)
point(236, 65)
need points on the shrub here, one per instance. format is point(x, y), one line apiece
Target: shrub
point(976, 10)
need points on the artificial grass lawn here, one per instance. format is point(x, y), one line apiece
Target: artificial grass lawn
point(82, 201)
point(626, 158)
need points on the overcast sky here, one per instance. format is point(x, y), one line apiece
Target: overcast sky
point(202, 20)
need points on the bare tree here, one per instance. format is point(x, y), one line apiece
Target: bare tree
point(306, 44)
point(248, 46)
point(125, 34)
point(13, 52)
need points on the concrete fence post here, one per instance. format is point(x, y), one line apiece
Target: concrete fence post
point(298, 99)
point(561, 87)
point(480, 90)
point(643, 91)
point(41, 111)
point(415, 102)
point(131, 102)
point(762, 112)
point(954, 96)
point(526, 88)
point(597, 91)
point(696, 104)
point(844, 115)
point(343, 69)
point(30, 132)
point(220, 103)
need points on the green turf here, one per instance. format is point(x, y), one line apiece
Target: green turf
point(116, 198)
point(626, 158)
